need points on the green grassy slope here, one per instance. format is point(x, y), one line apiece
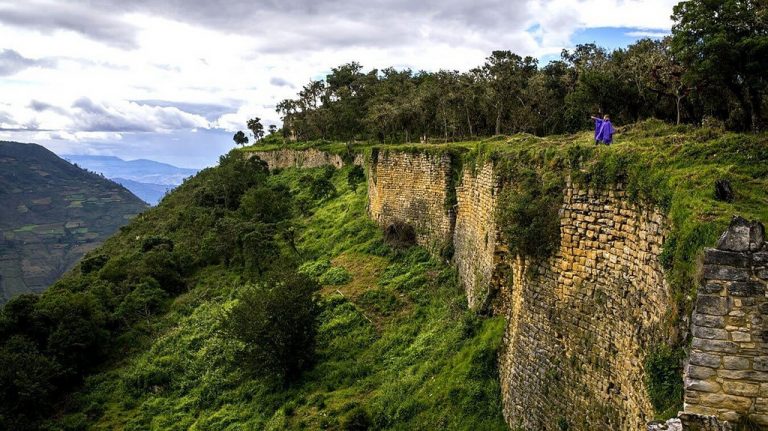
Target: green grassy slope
point(397, 348)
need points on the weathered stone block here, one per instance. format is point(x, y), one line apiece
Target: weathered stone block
point(741, 388)
point(741, 336)
point(742, 235)
point(760, 419)
point(708, 320)
point(713, 305)
point(746, 288)
point(735, 363)
point(702, 386)
point(760, 363)
point(728, 273)
point(715, 345)
point(725, 401)
point(760, 258)
point(699, 373)
point(710, 333)
point(705, 359)
point(713, 256)
point(745, 375)
point(711, 288)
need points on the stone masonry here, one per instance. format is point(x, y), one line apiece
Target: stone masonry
point(727, 371)
point(581, 323)
point(310, 158)
point(474, 237)
point(412, 188)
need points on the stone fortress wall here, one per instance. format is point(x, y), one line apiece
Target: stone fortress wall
point(310, 158)
point(580, 324)
point(412, 188)
point(727, 371)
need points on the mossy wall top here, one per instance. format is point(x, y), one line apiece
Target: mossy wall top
point(309, 158)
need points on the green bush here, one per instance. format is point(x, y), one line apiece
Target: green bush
point(528, 214)
point(355, 176)
point(156, 241)
point(315, 268)
point(277, 322)
point(664, 380)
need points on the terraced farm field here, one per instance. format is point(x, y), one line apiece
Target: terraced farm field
point(51, 214)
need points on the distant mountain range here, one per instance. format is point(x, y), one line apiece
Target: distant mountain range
point(147, 179)
point(52, 213)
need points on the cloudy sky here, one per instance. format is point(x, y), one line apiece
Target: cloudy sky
point(171, 80)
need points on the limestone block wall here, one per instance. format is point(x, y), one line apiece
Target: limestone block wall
point(474, 237)
point(287, 158)
point(727, 371)
point(412, 188)
point(581, 323)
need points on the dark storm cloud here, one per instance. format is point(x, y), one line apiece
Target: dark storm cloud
point(11, 62)
point(48, 16)
point(285, 26)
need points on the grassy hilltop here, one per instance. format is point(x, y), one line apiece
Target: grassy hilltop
point(138, 336)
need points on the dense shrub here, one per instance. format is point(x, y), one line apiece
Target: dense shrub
point(277, 322)
point(528, 214)
point(355, 176)
point(663, 368)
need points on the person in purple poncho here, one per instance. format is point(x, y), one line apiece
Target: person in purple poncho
point(603, 130)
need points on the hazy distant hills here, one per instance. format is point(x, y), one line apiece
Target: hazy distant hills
point(52, 213)
point(148, 192)
point(147, 179)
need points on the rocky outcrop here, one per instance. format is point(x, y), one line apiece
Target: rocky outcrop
point(727, 371)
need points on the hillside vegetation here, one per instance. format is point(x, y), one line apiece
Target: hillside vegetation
point(140, 329)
